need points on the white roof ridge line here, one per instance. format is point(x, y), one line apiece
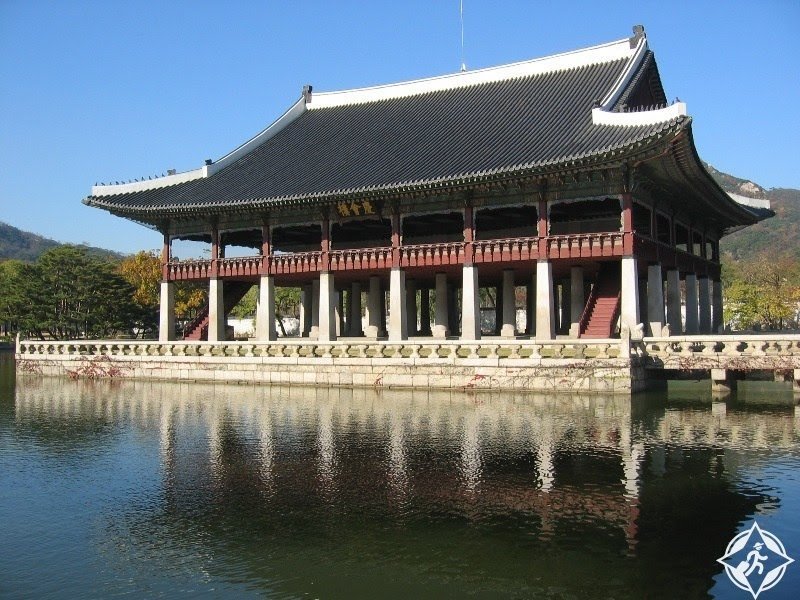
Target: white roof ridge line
point(601, 116)
point(601, 53)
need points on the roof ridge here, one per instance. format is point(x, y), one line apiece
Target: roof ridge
point(602, 53)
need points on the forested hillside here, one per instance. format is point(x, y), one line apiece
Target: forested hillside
point(779, 234)
point(26, 246)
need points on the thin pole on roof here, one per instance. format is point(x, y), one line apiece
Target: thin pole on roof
point(463, 64)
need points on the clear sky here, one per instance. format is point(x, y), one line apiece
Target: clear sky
point(112, 90)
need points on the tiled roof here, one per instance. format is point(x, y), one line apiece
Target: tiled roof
point(518, 118)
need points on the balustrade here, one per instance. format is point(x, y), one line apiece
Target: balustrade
point(432, 255)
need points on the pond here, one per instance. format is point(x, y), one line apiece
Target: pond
point(110, 488)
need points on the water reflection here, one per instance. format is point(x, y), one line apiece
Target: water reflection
point(293, 491)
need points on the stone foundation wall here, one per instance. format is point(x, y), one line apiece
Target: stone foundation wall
point(608, 375)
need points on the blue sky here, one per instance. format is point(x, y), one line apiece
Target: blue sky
point(115, 90)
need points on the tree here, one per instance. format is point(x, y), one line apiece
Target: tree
point(763, 292)
point(143, 272)
point(69, 294)
point(11, 299)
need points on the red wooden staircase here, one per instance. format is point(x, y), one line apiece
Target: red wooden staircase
point(602, 308)
point(232, 292)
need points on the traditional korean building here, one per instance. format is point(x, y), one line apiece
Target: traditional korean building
point(570, 175)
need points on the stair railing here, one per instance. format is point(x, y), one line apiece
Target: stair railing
point(201, 315)
point(583, 322)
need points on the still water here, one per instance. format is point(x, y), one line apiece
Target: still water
point(189, 490)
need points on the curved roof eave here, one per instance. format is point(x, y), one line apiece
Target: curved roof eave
point(154, 214)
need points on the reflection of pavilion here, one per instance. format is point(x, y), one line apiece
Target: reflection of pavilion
point(469, 433)
point(552, 464)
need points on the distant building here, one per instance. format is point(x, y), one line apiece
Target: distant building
point(570, 175)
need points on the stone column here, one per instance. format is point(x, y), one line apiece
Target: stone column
point(577, 301)
point(327, 308)
point(704, 305)
point(354, 326)
point(566, 307)
point(452, 308)
point(674, 302)
point(383, 319)
point(717, 319)
point(265, 310)
point(470, 304)
point(629, 304)
point(411, 307)
point(530, 312)
point(338, 313)
point(305, 310)
point(374, 302)
point(216, 311)
point(498, 310)
point(398, 329)
point(655, 300)
point(691, 304)
point(166, 313)
point(509, 305)
point(425, 311)
point(314, 332)
point(545, 315)
point(442, 328)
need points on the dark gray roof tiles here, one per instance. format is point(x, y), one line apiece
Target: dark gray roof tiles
point(448, 135)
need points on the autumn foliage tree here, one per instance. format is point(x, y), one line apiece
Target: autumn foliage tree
point(143, 272)
point(762, 293)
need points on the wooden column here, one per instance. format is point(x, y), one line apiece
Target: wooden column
point(325, 244)
point(542, 227)
point(266, 247)
point(166, 256)
point(469, 234)
point(627, 223)
point(214, 251)
point(396, 237)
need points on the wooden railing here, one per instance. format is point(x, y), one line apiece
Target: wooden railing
point(505, 250)
point(361, 259)
point(585, 245)
point(674, 258)
point(580, 245)
point(432, 255)
point(583, 322)
point(296, 262)
point(188, 270)
point(245, 266)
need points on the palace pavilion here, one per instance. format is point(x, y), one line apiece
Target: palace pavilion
point(570, 176)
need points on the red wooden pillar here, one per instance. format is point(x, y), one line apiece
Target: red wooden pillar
point(627, 224)
point(214, 251)
point(469, 235)
point(166, 256)
point(396, 236)
point(266, 247)
point(542, 226)
point(326, 243)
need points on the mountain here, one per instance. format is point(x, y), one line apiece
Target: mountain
point(23, 245)
point(778, 234)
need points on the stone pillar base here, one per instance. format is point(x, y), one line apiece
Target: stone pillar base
point(722, 382)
